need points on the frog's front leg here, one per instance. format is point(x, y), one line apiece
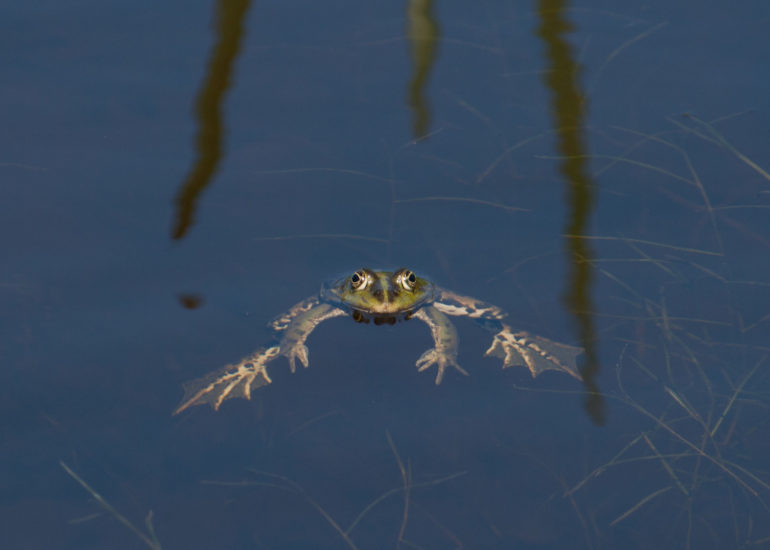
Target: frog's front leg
point(299, 328)
point(458, 305)
point(444, 334)
point(537, 353)
point(236, 380)
point(284, 321)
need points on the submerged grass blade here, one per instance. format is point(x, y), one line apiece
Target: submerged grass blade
point(332, 236)
point(717, 462)
point(721, 140)
point(463, 199)
point(294, 487)
point(151, 541)
point(666, 465)
point(625, 160)
point(325, 169)
point(639, 504)
point(644, 241)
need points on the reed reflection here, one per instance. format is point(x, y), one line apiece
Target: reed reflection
point(424, 35)
point(229, 29)
point(568, 109)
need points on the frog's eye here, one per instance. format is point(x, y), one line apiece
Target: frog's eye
point(358, 280)
point(407, 279)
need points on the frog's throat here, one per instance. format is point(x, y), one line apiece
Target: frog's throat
point(366, 317)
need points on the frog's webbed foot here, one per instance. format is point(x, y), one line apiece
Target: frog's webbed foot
point(441, 360)
point(537, 353)
point(444, 354)
point(237, 380)
point(303, 323)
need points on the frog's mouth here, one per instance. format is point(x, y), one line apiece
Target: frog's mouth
point(379, 318)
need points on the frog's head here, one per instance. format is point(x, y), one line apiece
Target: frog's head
point(384, 296)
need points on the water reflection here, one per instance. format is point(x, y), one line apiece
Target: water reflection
point(568, 111)
point(424, 35)
point(208, 147)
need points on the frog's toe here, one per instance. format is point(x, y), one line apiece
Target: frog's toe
point(441, 360)
point(300, 352)
point(502, 349)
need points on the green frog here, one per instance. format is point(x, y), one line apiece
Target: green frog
point(382, 297)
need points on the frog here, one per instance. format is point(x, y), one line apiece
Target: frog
point(382, 297)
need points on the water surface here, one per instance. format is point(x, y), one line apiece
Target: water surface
point(175, 176)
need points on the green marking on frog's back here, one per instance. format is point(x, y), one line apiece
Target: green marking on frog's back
point(381, 297)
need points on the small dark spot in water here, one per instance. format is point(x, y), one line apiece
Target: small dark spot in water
point(190, 301)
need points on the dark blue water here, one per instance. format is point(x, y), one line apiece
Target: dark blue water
point(175, 176)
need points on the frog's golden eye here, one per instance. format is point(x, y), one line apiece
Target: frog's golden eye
point(359, 280)
point(407, 280)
